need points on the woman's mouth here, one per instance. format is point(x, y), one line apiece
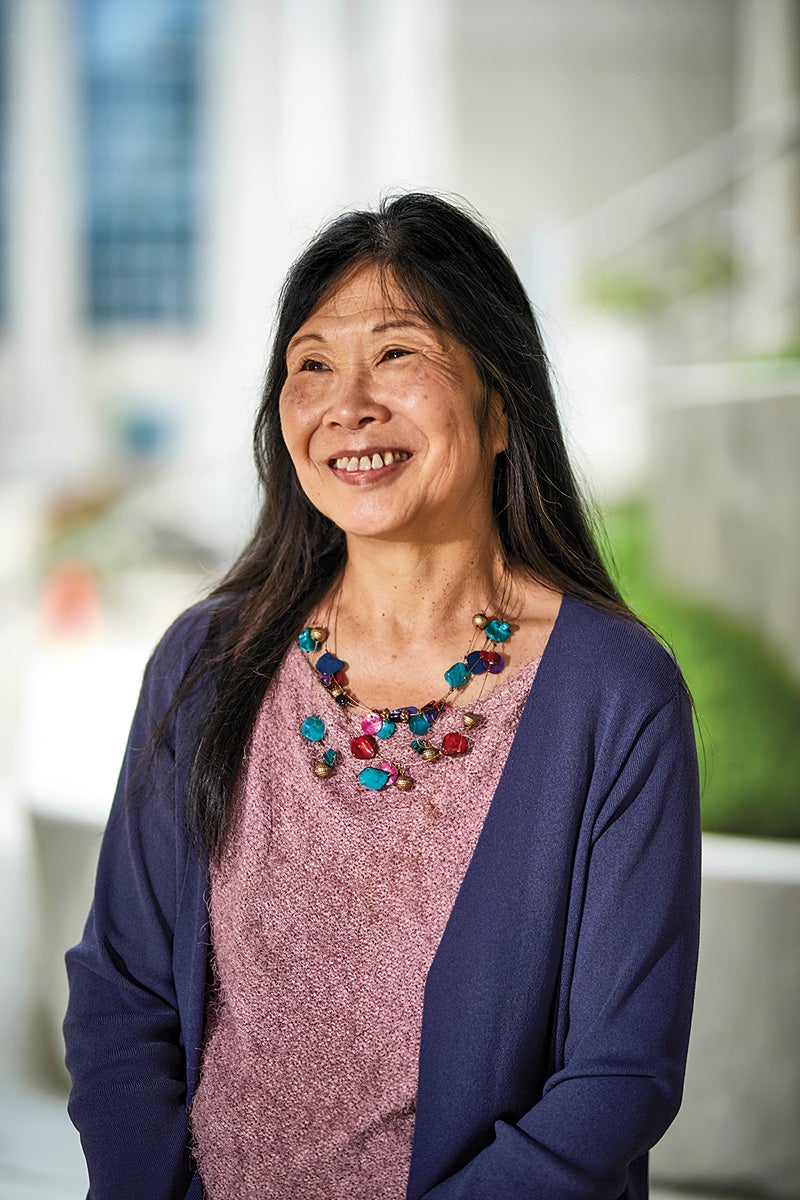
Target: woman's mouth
point(369, 462)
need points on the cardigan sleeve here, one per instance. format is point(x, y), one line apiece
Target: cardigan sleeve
point(630, 994)
point(122, 1029)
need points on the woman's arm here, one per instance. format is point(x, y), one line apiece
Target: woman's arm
point(630, 996)
point(123, 1032)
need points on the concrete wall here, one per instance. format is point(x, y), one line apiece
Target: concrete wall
point(725, 493)
point(737, 1129)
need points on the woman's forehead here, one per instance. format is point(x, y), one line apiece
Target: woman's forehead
point(365, 289)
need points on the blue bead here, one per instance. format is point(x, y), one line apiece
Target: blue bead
point(328, 664)
point(457, 676)
point(306, 641)
point(386, 730)
point(419, 724)
point(329, 758)
point(373, 778)
point(475, 663)
point(498, 631)
point(313, 729)
point(394, 715)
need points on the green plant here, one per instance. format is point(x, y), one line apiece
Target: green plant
point(646, 288)
point(747, 704)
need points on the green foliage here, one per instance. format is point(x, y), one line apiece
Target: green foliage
point(747, 705)
point(646, 289)
point(626, 291)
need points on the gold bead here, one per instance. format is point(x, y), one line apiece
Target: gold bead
point(319, 633)
point(404, 783)
point(322, 770)
point(404, 715)
point(480, 621)
point(336, 690)
point(470, 720)
point(430, 754)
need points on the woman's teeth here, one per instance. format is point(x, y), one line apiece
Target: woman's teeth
point(365, 463)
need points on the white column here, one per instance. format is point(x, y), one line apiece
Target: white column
point(40, 425)
point(312, 167)
point(768, 76)
point(400, 96)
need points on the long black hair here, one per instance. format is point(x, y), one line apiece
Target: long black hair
point(453, 272)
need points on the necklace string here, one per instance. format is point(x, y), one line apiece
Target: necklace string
point(380, 726)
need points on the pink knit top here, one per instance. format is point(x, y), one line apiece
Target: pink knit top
point(326, 909)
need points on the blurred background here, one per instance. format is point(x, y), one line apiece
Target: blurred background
point(161, 162)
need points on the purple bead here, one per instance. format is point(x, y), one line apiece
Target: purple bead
point(327, 680)
point(497, 667)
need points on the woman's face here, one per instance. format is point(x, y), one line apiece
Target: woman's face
point(379, 413)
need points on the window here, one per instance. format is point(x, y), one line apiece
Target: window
point(140, 63)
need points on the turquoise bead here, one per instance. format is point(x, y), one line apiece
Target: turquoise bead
point(373, 778)
point(498, 631)
point(419, 745)
point(329, 758)
point(306, 641)
point(458, 675)
point(313, 729)
point(419, 724)
point(386, 730)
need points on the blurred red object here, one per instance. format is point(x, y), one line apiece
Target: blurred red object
point(70, 600)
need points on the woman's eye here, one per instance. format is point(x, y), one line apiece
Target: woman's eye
point(396, 352)
point(312, 364)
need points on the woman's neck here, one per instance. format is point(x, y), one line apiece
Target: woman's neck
point(405, 589)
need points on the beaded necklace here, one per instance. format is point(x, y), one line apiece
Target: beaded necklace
point(381, 725)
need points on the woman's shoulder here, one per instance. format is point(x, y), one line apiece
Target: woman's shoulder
point(181, 643)
point(613, 656)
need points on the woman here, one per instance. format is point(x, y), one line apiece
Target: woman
point(403, 899)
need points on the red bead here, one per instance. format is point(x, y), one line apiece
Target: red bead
point(364, 746)
point(454, 743)
point(490, 657)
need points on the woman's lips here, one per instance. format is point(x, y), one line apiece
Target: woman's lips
point(369, 462)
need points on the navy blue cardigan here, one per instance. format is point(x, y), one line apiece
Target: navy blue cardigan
point(557, 1008)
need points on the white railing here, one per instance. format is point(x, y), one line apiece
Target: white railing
point(670, 193)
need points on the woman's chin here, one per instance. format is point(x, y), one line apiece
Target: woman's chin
point(374, 521)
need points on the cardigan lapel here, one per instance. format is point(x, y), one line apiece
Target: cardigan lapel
point(491, 992)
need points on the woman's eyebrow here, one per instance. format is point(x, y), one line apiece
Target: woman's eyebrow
point(384, 325)
point(304, 337)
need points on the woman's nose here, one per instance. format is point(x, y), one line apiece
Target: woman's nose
point(354, 401)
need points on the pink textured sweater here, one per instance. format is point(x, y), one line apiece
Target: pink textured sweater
point(326, 908)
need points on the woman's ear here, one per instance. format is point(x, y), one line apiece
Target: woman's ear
point(498, 424)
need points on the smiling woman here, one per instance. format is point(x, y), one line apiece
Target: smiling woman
point(399, 895)
point(365, 383)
